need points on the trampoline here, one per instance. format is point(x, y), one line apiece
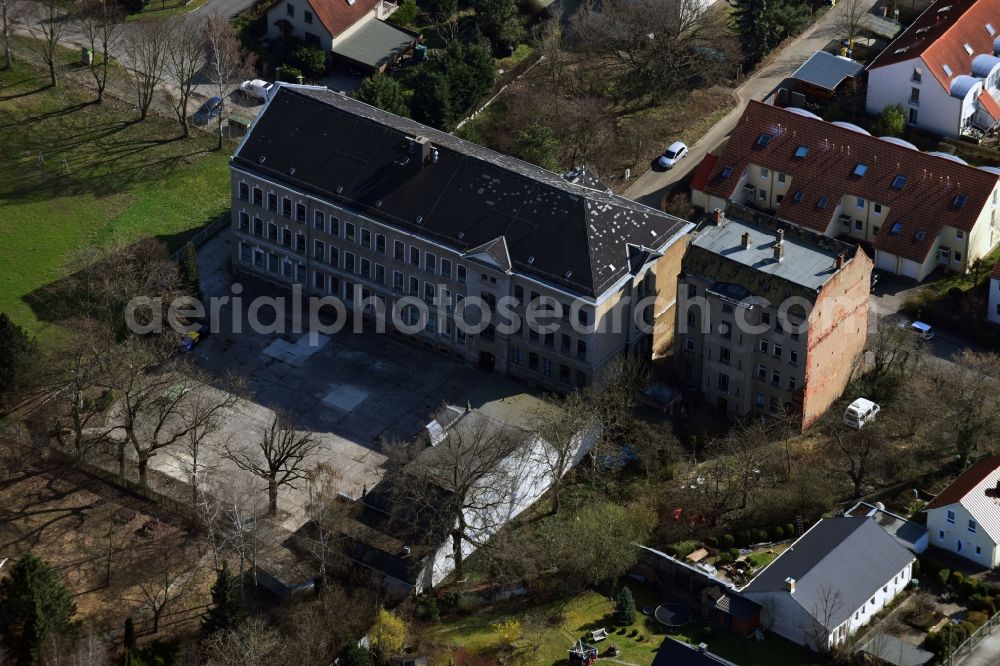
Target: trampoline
point(672, 615)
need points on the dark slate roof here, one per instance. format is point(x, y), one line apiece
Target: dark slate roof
point(352, 154)
point(906, 532)
point(827, 71)
point(851, 556)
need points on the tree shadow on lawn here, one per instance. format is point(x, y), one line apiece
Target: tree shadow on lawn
point(66, 110)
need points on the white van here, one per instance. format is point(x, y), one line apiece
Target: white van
point(257, 89)
point(925, 331)
point(860, 412)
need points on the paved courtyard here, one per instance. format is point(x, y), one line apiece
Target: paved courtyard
point(356, 392)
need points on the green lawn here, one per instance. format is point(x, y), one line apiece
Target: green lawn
point(75, 173)
point(558, 626)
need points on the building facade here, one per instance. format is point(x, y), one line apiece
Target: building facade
point(382, 207)
point(918, 211)
point(770, 317)
point(944, 69)
point(964, 518)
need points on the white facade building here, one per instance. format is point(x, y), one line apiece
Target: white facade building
point(964, 518)
point(944, 69)
point(993, 313)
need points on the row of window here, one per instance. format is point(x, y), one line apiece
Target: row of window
point(950, 517)
point(544, 365)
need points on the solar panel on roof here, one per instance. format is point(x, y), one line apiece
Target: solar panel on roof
point(899, 182)
point(861, 169)
point(960, 200)
point(801, 152)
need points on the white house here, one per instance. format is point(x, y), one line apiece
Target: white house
point(831, 581)
point(919, 211)
point(965, 517)
point(944, 69)
point(993, 313)
point(352, 31)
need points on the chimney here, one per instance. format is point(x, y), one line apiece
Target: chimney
point(746, 240)
point(779, 252)
point(840, 261)
point(790, 585)
point(781, 237)
point(718, 217)
point(703, 648)
point(421, 152)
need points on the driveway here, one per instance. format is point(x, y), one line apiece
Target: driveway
point(652, 185)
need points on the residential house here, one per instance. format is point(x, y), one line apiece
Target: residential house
point(824, 75)
point(907, 533)
point(993, 313)
point(944, 69)
point(964, 518)
point(347, 200)
point(831, 581)
point(740, 343)
point(353, 32)
point(919, 211)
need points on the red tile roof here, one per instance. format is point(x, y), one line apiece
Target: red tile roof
point(926, 202)
point(339, 15)
point(990, 104)
point(704, 170)
point(939, 35)
point(964, 484)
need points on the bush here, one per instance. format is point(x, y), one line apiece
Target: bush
point(311, 60)
point(734, 553)
point(891, 122)
point(759, 535)
point(943, 575)
point(725, 558)
point(383, 91)
point(712, 542)
point(789, 530)
point(957, 579)
point(775, 532)
point(728, 541)
point(975, 619)
point(683, 548)
point(405, 14)
point(289, 74)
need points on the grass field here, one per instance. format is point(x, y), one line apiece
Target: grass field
point(76, 173)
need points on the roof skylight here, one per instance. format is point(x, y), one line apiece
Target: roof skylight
point(822, 202)
point(920, 235)
point(801, 152)
point(968, 49)
point(947, 69)
point(727, 171)
point(797, 197)
point(989, 29)
point(899, 182)
point(896, 228)
point(861, 169)
point(959, 200)
point(764, 139)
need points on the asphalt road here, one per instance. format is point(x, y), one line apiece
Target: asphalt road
point(651, 186)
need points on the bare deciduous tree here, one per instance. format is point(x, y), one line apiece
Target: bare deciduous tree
point(47, 27)
point(167, 580)
point(850, 16)
point(859, 453)
point(969, 390)
point(228, 63)
point(280, 458)
point(827, 606)
point(561, 424)
point(254, 643)
point(91, 651)
point(148, 45)
point(11, 12)
point(100, 23)
point(228, 507)
point(464, 486)
point(187, 57)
